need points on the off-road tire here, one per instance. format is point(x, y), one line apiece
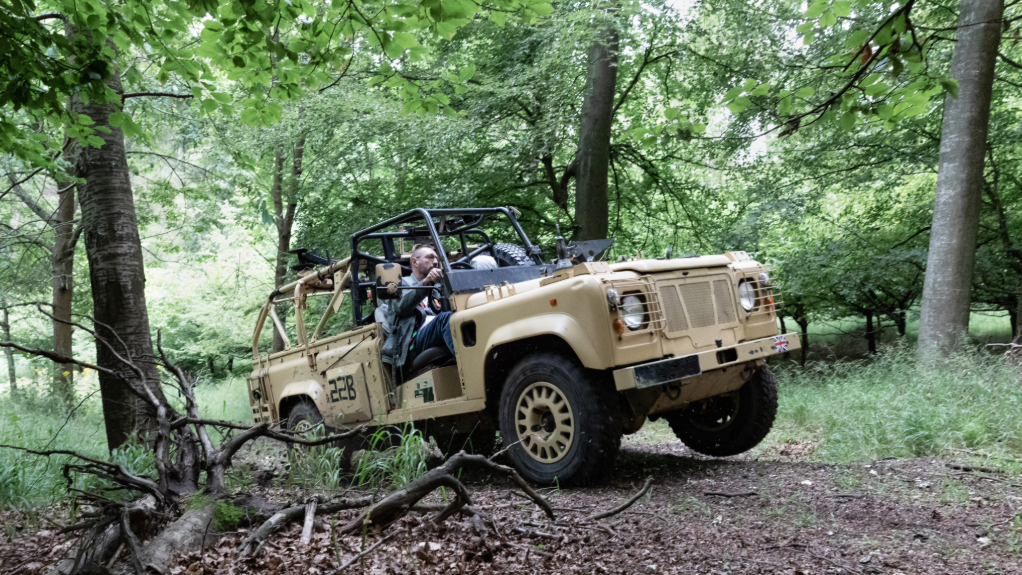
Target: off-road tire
point(757, 407)
point(510, 255)
point(303, 411)
point(596, 420)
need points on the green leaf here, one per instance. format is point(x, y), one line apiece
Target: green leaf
point(828, 19)
point(238, 61)
point(698, 128)
point(376, 80)
point(808, 38)
point(805, 27)
point(785, 105)
point(467, 72)
point(877, 88)
point(761, 90)
point(405, 40)
point(671, 113)
point(815, 10)
point(847, 121)
point(733, 93)
point(498, 18)
point(738, 105)
point(85, 120)
point(222, 97)
point(749, 85)
point(411, 106)
point(805, 92)
point(209, 105)
point(542, 9)
point(950, 85)
point(842, 8)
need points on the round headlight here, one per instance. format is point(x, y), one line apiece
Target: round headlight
point(633, 310)
point(747, 296)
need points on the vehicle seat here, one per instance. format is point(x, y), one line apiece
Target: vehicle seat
point(431, 358)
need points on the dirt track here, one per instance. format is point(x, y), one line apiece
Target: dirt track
point(895, 516)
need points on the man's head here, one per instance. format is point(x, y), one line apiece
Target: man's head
point(423, 260)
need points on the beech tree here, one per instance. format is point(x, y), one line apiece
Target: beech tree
point(947, 291)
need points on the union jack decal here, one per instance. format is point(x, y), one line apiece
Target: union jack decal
point(780, 344)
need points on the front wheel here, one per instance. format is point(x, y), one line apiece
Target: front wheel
point(561, 424)
point(730, 423)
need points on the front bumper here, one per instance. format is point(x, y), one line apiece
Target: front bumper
point(664, 371)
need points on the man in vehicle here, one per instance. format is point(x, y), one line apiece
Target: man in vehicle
point(414, 327)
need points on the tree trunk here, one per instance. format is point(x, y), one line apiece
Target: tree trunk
point(9, 353)
point(784, 328)
point(1016, 329)
point(283, 234)
point(64, 242)
point(116, 271)
point(803, 323)
point(871, 334)
point(944, 316)
point(900, 322)
point(593, 160)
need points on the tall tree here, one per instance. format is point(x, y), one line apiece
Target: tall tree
point(62, 252)
point(952, 257)
point(593, 160)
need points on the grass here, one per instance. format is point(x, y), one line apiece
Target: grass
point(863, 410)
point(33, 422)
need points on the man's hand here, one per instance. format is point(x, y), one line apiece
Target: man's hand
point(433, 277)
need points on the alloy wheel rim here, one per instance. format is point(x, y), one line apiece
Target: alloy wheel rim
point(545, 422)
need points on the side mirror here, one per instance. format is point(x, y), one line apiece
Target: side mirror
point(388, 282)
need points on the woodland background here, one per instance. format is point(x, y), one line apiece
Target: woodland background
point(807, 135)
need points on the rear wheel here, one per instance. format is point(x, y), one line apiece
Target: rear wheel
point(305, 421)
point(560, 422)
point(730, 423)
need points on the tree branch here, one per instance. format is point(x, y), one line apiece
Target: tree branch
point(157, 94)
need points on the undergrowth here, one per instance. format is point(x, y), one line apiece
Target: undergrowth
point(968, 405)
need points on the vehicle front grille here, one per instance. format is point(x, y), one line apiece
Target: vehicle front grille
point(676, 320)
point(699, 303)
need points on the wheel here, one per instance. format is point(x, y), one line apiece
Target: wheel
point(509, 255)
point(303, 420)
point(731, 423)
point(561, 423)
point(304, 417)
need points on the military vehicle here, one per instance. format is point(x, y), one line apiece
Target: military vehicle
point(562, 357)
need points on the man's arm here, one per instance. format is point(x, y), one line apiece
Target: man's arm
point(409, 300)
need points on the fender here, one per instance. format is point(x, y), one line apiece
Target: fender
point(310, 388)
point(561, 325)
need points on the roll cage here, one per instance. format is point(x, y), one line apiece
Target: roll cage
point(438, 224)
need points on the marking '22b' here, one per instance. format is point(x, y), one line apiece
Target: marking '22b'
point(346, 391)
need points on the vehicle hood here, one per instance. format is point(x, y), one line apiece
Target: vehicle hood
point(654, 266)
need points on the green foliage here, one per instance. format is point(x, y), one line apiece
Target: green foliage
point(865, 410)
point(402, 458)
point(227, 516)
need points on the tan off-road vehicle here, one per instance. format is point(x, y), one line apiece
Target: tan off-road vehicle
point(561, 358)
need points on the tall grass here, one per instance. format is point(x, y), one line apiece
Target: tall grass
point(32, 421)
point(887, 406)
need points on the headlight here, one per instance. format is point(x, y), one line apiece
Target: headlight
point(613, 299)
point(764, 279)
point(633, 310)
point(747, 296)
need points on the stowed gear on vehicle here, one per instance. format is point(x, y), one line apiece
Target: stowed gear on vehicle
point(562, 358)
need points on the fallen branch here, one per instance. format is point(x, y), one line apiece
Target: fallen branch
point(310, 516)
point(626, 505)
point(848, 495)
point(351, 561)
point(726, 494)
point(971, 468)
point(284, 517)
point(396, 505)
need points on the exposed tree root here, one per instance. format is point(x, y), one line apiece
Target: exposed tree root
point(398, 504)
point(285, 517)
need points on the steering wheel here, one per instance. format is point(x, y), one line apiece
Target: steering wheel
point(481, 250)
point(461, 265)
point(433, 303)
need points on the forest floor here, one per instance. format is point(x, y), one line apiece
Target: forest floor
point(771, 512)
